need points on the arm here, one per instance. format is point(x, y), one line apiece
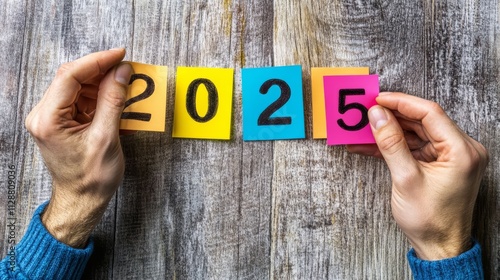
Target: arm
point(467, 265)
point(436, 170)
point(76, 127)
point(40, 256)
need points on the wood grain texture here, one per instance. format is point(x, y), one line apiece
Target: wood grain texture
point(330, 209)
point(12, 17)
point(197, 209)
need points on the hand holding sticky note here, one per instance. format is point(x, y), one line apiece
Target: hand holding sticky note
point(347, 100)
point(146, 101)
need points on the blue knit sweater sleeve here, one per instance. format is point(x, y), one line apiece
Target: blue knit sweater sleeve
point(465, 266)
point(40, 256)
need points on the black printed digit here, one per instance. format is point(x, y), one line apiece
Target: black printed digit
point(150, 88)
point(343, 108)
point(265, 117)
point(213, 100)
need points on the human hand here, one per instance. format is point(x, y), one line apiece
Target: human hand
point(76, 127)
point(436, 170)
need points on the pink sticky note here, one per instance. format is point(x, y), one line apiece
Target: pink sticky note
point(347, 100)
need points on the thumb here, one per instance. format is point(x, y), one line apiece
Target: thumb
point(111, 98)
point(392, 143)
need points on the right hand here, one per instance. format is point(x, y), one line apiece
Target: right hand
point(436, 170)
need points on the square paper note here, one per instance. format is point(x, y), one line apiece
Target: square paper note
point(347, 100)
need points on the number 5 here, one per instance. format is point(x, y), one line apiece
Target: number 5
point(343, 108)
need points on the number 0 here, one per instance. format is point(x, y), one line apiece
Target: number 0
point(213, 100)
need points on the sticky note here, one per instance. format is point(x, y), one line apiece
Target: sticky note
point(203, 103)
point(318, 94)
point(347, 100)
point(273, 106)
point(146, 101)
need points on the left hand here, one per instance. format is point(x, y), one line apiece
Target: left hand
point(76, 127)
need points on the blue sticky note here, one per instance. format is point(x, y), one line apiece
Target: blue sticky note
point(273, 103)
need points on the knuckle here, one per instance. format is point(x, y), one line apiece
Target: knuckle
point(38, 125)
point(64, 69)
point(392, 143)
point(476, 158)
point(407, 178)
point(484, 154)
point(435, 107)
point(31, 123)
point(27, 122)
point(437, 110)
point(115, 98)
point(480, 156)
point(103, 140)
point(37, 129)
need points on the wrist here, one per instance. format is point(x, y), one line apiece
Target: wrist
point(71, 221)
point(439, 249)
point(437, 234)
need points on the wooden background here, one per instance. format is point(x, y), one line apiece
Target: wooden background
point(196, 209)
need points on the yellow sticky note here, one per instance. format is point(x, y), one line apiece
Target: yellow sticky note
point(318, 94)
point(146, 99)
point(203, 103)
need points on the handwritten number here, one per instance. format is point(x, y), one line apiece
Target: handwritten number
point(265, 117)
point(343, 108)
point(150, 88)
point(213, 100)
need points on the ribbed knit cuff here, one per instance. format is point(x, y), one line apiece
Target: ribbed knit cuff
point(468, 265)
point(40, 256)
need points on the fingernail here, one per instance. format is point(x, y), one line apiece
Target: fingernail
point(122, 74)
point(117, 49)
point(378, 117)
point(385, 93)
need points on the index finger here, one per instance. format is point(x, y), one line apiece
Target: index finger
point(71, 75)
point(437, 125)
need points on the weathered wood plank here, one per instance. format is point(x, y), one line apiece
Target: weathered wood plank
point(463, 76)
point(330, 209)
point(389, 39)
point(101, 27)
point(56, 33)
point(257, 157)
point(205, 229)
point(12, 19)
point(36, 71)
point(237, 243)
point(199, 192)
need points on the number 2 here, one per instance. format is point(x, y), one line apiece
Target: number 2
point(343, 108)
point(265, 117)
point(150, 88)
